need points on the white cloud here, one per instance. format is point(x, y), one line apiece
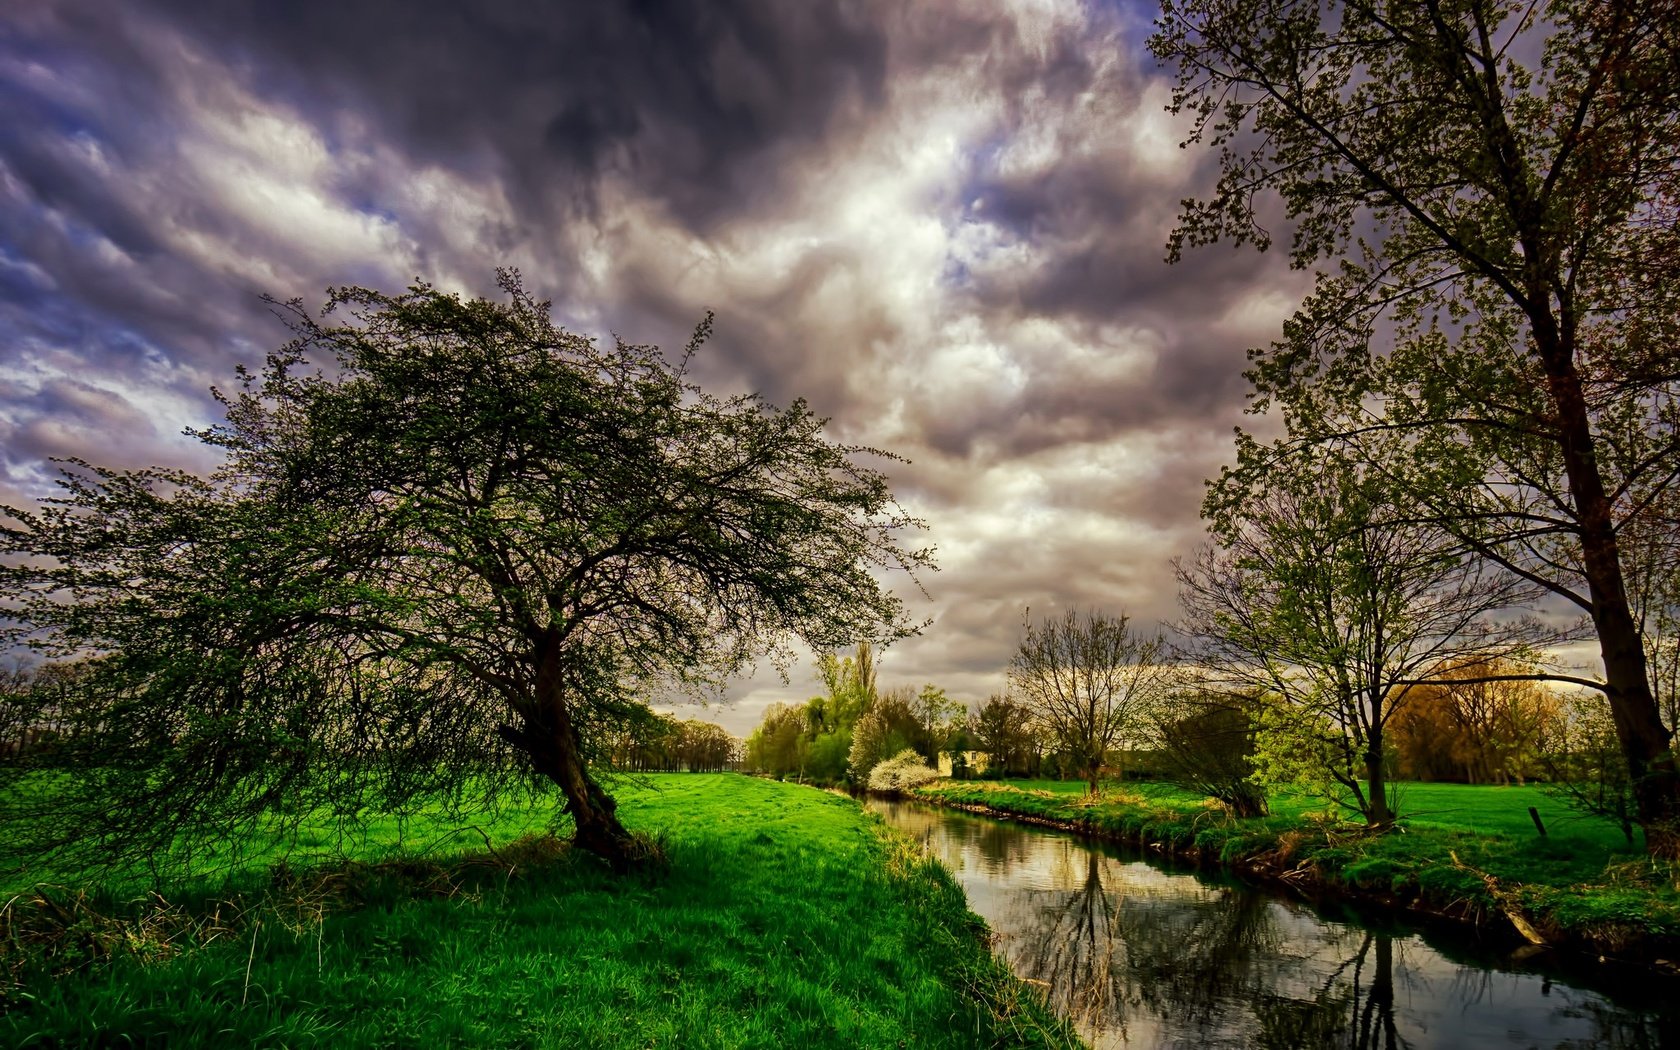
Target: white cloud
point(964, 268)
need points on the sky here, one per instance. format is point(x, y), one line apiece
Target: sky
point(943, 224)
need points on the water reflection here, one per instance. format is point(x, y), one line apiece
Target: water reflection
point(1139, 956)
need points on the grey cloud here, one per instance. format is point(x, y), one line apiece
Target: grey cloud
point(695, 102)
point(644, 162)
point(69, 418)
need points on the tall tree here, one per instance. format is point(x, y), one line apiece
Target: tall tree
point(780, 744)
point(1324, 594)
point(1205, 741)
point(1650, 541)
point(939, 719)
point(1499, 181)
point(1003, 729)
point(451, 545)
point(1463, 726)
point(887, 728)
point(1090, 680)
point(821, 749)
point(850, 684)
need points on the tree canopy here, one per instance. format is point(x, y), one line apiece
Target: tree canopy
point(1496, 185)
point(451, 548)
point(1326, 596)
point(1090, 680)
point(1004, 729)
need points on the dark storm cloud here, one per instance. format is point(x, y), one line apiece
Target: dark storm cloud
point(1097, 222)
point(694, 102)
point(940, 223)
point(701, 108)
point(89, 190)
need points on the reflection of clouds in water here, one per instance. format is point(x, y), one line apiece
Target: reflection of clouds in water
point(1143, 957)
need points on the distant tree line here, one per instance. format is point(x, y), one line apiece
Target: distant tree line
point(662, 744)
point(37, 705)
point(1079, 705)
point(838, 737)
point(1092, 699)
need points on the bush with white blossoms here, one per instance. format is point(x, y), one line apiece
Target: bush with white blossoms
point(901, 772)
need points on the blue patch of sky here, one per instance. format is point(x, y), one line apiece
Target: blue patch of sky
point(364, 203)
point(40, 316)
point(955, 273)
point(18, 275)
point(1135, 17)
point(30, 111)
point(37, 315)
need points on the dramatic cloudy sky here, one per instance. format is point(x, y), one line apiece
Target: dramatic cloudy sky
point(942, 223)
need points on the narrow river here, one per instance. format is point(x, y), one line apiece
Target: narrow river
point(1139, 954)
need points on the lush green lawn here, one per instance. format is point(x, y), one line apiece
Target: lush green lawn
point(422, 835)
point(1147, 788)
point(1491, 809)
point(1457, 846)
point(785, 917)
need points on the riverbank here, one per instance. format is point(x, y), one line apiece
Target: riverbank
point(785, 916)
point(1562, 892)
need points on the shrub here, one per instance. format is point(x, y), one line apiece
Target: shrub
point(1207, 745)
point(901, 772)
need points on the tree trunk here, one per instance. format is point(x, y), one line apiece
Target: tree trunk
point(1639, 729)
point(550, 738)
point(1381, 1001)
point(1377, 813)
point(555, 753)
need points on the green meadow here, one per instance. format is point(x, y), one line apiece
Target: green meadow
point(1494, 809)
point(784, 916)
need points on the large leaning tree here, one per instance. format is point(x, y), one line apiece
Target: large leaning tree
point(451, 549)
point(1492, 188)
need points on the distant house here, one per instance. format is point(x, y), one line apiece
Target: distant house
point(975, 761)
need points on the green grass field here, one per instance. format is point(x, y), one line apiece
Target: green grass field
point(1490, 809)
point(232, 868)
point(785, 917)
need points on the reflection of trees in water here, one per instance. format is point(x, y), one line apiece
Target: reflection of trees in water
point(1616, 1029)
point(1208, 967)
point(1353, 1008)
point(1195, 963)
point(947, 836)
point(1105, 955)
point(1198, 966)
point(1003, 845)
point(1070, 947)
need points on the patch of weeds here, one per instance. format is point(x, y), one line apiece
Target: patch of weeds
point(1448, 884)
point(1377, 872)
point(1236, 847)
point(1612, 906)
point(1113, 796)
point(1325, 857)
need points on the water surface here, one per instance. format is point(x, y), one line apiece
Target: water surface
point(1142, 955)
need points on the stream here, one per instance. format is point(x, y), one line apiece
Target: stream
point(1139, 953)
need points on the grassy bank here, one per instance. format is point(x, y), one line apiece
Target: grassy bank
point(784, 917)
point(1469, 853)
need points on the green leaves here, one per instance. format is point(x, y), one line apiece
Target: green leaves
point(1492, 190)
point(450, 542)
